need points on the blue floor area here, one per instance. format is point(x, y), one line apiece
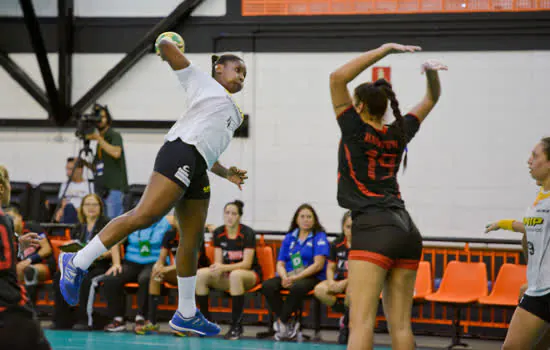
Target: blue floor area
point(61, 340)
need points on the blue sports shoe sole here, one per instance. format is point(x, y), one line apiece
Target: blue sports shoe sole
point(197, 324)
point(69, 289)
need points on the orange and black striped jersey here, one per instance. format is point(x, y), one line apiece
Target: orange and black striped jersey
point(368, 162)
point(12, 294)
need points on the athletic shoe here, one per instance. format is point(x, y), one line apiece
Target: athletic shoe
point(234, 333)
point(197, 324)
point(283, 332)
point(71, 278)
point(146, 327)
point(116, 326)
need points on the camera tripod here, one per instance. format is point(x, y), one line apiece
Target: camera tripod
point(85, 150)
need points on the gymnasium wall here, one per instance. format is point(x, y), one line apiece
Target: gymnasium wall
point(467, 164)
point(109, 8)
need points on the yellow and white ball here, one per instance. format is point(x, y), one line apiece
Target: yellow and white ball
point(172, 36)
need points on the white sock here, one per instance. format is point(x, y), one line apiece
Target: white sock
point(87, 255)
point(186, 296)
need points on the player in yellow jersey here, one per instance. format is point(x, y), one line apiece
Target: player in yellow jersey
point(532, 316)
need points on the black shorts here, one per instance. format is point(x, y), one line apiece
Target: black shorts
point(538, 306)
point(19, 331)
point(387, 238)
point(184, 165)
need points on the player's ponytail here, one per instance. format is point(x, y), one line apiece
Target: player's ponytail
point(4, 181)
point(394, 104)
point(546, 146)
point(240, 205)
point(215, 59)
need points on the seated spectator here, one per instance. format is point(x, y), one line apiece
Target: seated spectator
point(300, 267)
point(36, 264)
point(142, 250)
point(166, 273)
point(337, 277)
point(91, 217)
point(76, 189)
point(235, 266)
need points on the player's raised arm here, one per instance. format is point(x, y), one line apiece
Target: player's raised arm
point(433, 89)
point(170, 47)
point(341, 99)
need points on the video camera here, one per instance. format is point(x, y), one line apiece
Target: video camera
point(87, 123)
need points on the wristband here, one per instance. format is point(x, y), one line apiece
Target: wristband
point(35, 258)
point(506, 224)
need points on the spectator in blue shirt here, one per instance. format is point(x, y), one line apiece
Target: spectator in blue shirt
point(142, 250)
point(300, 266)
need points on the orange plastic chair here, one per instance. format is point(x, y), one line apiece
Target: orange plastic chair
point(266, 261)
point(505, 291)
point(56, 243)
point(423, 285)
point(210, 253)
point(462, 284)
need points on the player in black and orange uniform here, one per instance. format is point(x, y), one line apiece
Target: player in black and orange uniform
point(19, 329)
point(386, 245)
point(36, 265)
point(337, 277)
point(235, 267)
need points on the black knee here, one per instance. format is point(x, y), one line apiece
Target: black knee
point(299, 290)
point(143, 279)
point(271, 286)
point(113, 284)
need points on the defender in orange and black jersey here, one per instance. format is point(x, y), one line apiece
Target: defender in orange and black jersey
point(18, 328)
point(339, 255)
point(369, 160)
point(12, 295)
point(233, 249)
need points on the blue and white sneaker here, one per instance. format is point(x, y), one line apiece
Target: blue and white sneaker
point(71, 278)
point(197, 324)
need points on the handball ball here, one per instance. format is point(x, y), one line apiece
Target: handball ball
point(174, 37)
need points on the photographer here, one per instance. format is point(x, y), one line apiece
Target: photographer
point(109, 164)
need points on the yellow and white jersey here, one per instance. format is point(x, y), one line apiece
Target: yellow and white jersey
point(209, 118)
point(537, 227)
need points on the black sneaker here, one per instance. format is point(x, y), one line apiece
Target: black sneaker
point(343, 335)
point(116, 326)
point(234, 333)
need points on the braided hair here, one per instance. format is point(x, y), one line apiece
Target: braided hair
point(375, 96)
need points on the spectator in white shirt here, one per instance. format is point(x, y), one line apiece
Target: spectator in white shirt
point(77, 189)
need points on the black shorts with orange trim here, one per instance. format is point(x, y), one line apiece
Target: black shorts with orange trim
point(386, 237)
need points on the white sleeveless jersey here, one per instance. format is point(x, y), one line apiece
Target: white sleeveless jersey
point(209, 118)
point(537, 227)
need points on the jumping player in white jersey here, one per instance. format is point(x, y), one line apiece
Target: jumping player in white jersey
point(532, 316)
point(192, 146)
